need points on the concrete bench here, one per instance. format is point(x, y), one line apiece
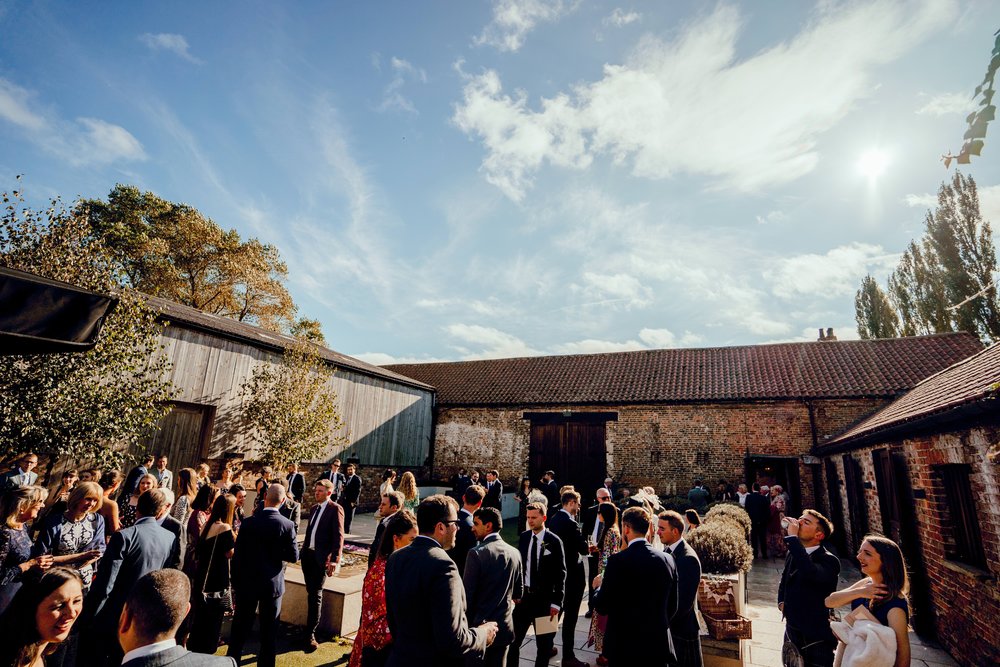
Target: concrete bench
point(341, 610)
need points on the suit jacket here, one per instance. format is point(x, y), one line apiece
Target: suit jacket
point(465, 539)
point(175, 527)
point(425, 603)
point(164, 478)
point(338, 483)
point(352, 491)
point(493, 579)
point(13, 479)
point(178, 656)
point(805, 582)
point(292, 511)
point(132, 553)
point(551, 491)
point(266, 542)
point(132, 481)
point(494, 495)
point(573, 542)
point(638, 594)
point(373, 550)
point(548, 585)
point(758, 507)
point(296, 485)
point(329, 533)
point(684, 623)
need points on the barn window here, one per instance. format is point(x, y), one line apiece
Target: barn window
point(655, 457)
point(968, 545)
point(701, 458)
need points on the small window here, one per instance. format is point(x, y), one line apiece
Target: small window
point(655, 456)
point(701, 458)
point(967, 544)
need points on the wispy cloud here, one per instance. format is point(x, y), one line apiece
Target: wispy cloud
point(836, 273)
point(621, 18)
point(473, 341)
point(925, 200)
point(948, 103)
point(165, 41)
point(514, 19)
point(83, 141)
point(392, 96)
point(772, 217)
point(690, 106)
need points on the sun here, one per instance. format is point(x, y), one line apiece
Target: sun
point(873, 163)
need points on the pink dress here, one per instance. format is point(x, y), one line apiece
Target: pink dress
point(374, 630)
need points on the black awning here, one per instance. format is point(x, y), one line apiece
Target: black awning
point(39, 315)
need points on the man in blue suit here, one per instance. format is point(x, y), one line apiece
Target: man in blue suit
point(131, 554)
point(684, 624)
point(265, 543)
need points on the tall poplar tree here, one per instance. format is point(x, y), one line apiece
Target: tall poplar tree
point(875, 315)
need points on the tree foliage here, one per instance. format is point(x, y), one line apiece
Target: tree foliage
point(86, 406)
point(874, 313)
point(173, 251)
point(979, 120)
point(944, 281)
point(290, 409)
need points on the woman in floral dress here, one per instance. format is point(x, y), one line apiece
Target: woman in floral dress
point(611, 543)
point(373, 638)
point(126, 510)
point(76, 537)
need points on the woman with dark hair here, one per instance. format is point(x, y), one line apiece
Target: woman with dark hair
point(388, 479)
point(201, 508)
point(883, 591)
point(523, 491)
point(215, 548)
point(41, 614)
point(611, 543)
point(18, 508)
point(692, 518)
point(75, 538)
point(126, 512)
point(187, 489)
point(56, 503)
point(371, 645)
point(110, 482)
point(260, 486)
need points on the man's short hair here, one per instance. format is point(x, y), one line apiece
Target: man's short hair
point(550, 473)
point(697, 482)
point(824, 524)
point(236, 488)
point(675, 520)
point(755, 486)
point(495, 473)
point(396, 499)
point(158, 601)
point(489, 515)
point(602, 492)
point(636, 518)
point(148, 458)
point(474, 495)
point(335, 462)
point(540, 507)
point(433, 510)
point(151, 502)
point(168, 496)
point(569, 496)
point(325, 483)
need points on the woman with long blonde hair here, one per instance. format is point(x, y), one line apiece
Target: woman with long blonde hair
point(408, 487)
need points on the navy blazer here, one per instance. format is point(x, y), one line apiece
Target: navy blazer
point(465, 539)
point(573, 542)
point(175, 527)
point(266, 542)
point(805, 582)
point(337, 479)
point(684, 622)
point(329, 534)
point(638, 595)
point(494, 495)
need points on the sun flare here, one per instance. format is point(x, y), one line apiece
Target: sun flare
point(873, 163)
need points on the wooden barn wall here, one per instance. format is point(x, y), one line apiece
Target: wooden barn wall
point(387, 424)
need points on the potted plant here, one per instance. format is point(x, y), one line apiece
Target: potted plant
point(725, 555)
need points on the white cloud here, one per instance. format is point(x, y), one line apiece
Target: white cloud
point(164, 41)
point(659, 338)
point(689, 105)
point(948, 103)
point(592, 346)
point(617, 287)
point(383, 359)
point(492, 343)
point(989, 203)
point(85, 141)
point(514, 19)
point(392, 96)
point(837, 273)
point(772, 217)
point(925, 200)
point(620, 18)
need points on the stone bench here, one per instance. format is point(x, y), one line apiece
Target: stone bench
point(341, 610)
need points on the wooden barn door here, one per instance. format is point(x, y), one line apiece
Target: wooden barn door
point(836, 509)
point(571, 446)
point(183, 435)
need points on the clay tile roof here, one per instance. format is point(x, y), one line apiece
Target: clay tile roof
point(226, 327)
point(968, 381)
point(825, 369)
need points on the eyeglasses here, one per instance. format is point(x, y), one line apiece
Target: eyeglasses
point(451, 522)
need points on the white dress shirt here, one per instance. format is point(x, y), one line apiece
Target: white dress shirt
point(149, 649)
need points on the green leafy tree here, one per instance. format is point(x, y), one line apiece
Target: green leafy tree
point(308, 330)
point(290, 409)
point(875, 315)
point(84, 406)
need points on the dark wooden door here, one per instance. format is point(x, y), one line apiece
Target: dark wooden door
point(573, 448)
point(836, 508)
point(183, 435)
point(888, 493)
point(856, 508)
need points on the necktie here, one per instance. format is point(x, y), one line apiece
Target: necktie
point(534, 559)
point(312, 524)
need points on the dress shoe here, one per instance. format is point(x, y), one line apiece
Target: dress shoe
point(554, 652)
point(589, 614)
point(312, 644)
point(573, 662)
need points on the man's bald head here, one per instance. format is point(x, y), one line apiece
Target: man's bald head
point(275, 495)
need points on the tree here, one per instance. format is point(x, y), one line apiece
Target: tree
point(308, 330)
point(86, 406)
point(173, 251)
point(875, 315)
point(290, 409)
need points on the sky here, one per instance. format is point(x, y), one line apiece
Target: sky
point(483, 179)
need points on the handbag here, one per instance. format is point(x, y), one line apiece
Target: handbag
point(222, 600)
point(791, 656)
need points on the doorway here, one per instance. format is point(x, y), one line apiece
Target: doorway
point(572, 445)
point(781, 470)
point(183, 435)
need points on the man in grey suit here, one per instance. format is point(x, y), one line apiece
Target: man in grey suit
point(424, 598)
point(132, 553)
point(173, 525)
point(23, 474)
point(684, 623)
point(493, 580)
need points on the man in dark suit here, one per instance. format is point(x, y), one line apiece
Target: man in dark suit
point(544, 585)
point(295, 482)
point(135, 474)
point(758, 507)
point(465, 539)
point(153, 612)
point(321, 551)
point(350, 496)
point(390, 504)
point(173, 525)
point(131, 553)
point(550, 489)
point(684, 623)
point(593, 532)
point(460, 483)
point(563, 523)
point(493, 579)
point(334, 475)
point(265, 543)
point(810, 575)
point(424, 598)
point(637, 592)
point(291, 509)
point(494, 491)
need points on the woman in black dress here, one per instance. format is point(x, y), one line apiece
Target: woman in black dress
point(215, 548)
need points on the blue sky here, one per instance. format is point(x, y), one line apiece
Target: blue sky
point(487, 179)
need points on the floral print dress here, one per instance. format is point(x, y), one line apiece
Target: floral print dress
point(611, 545)
point(374, 630)
point(15, 548)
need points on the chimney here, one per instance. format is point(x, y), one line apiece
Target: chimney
point(829, 336)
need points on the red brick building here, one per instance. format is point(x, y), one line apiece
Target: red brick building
point(665, 417)
point(927, 474)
